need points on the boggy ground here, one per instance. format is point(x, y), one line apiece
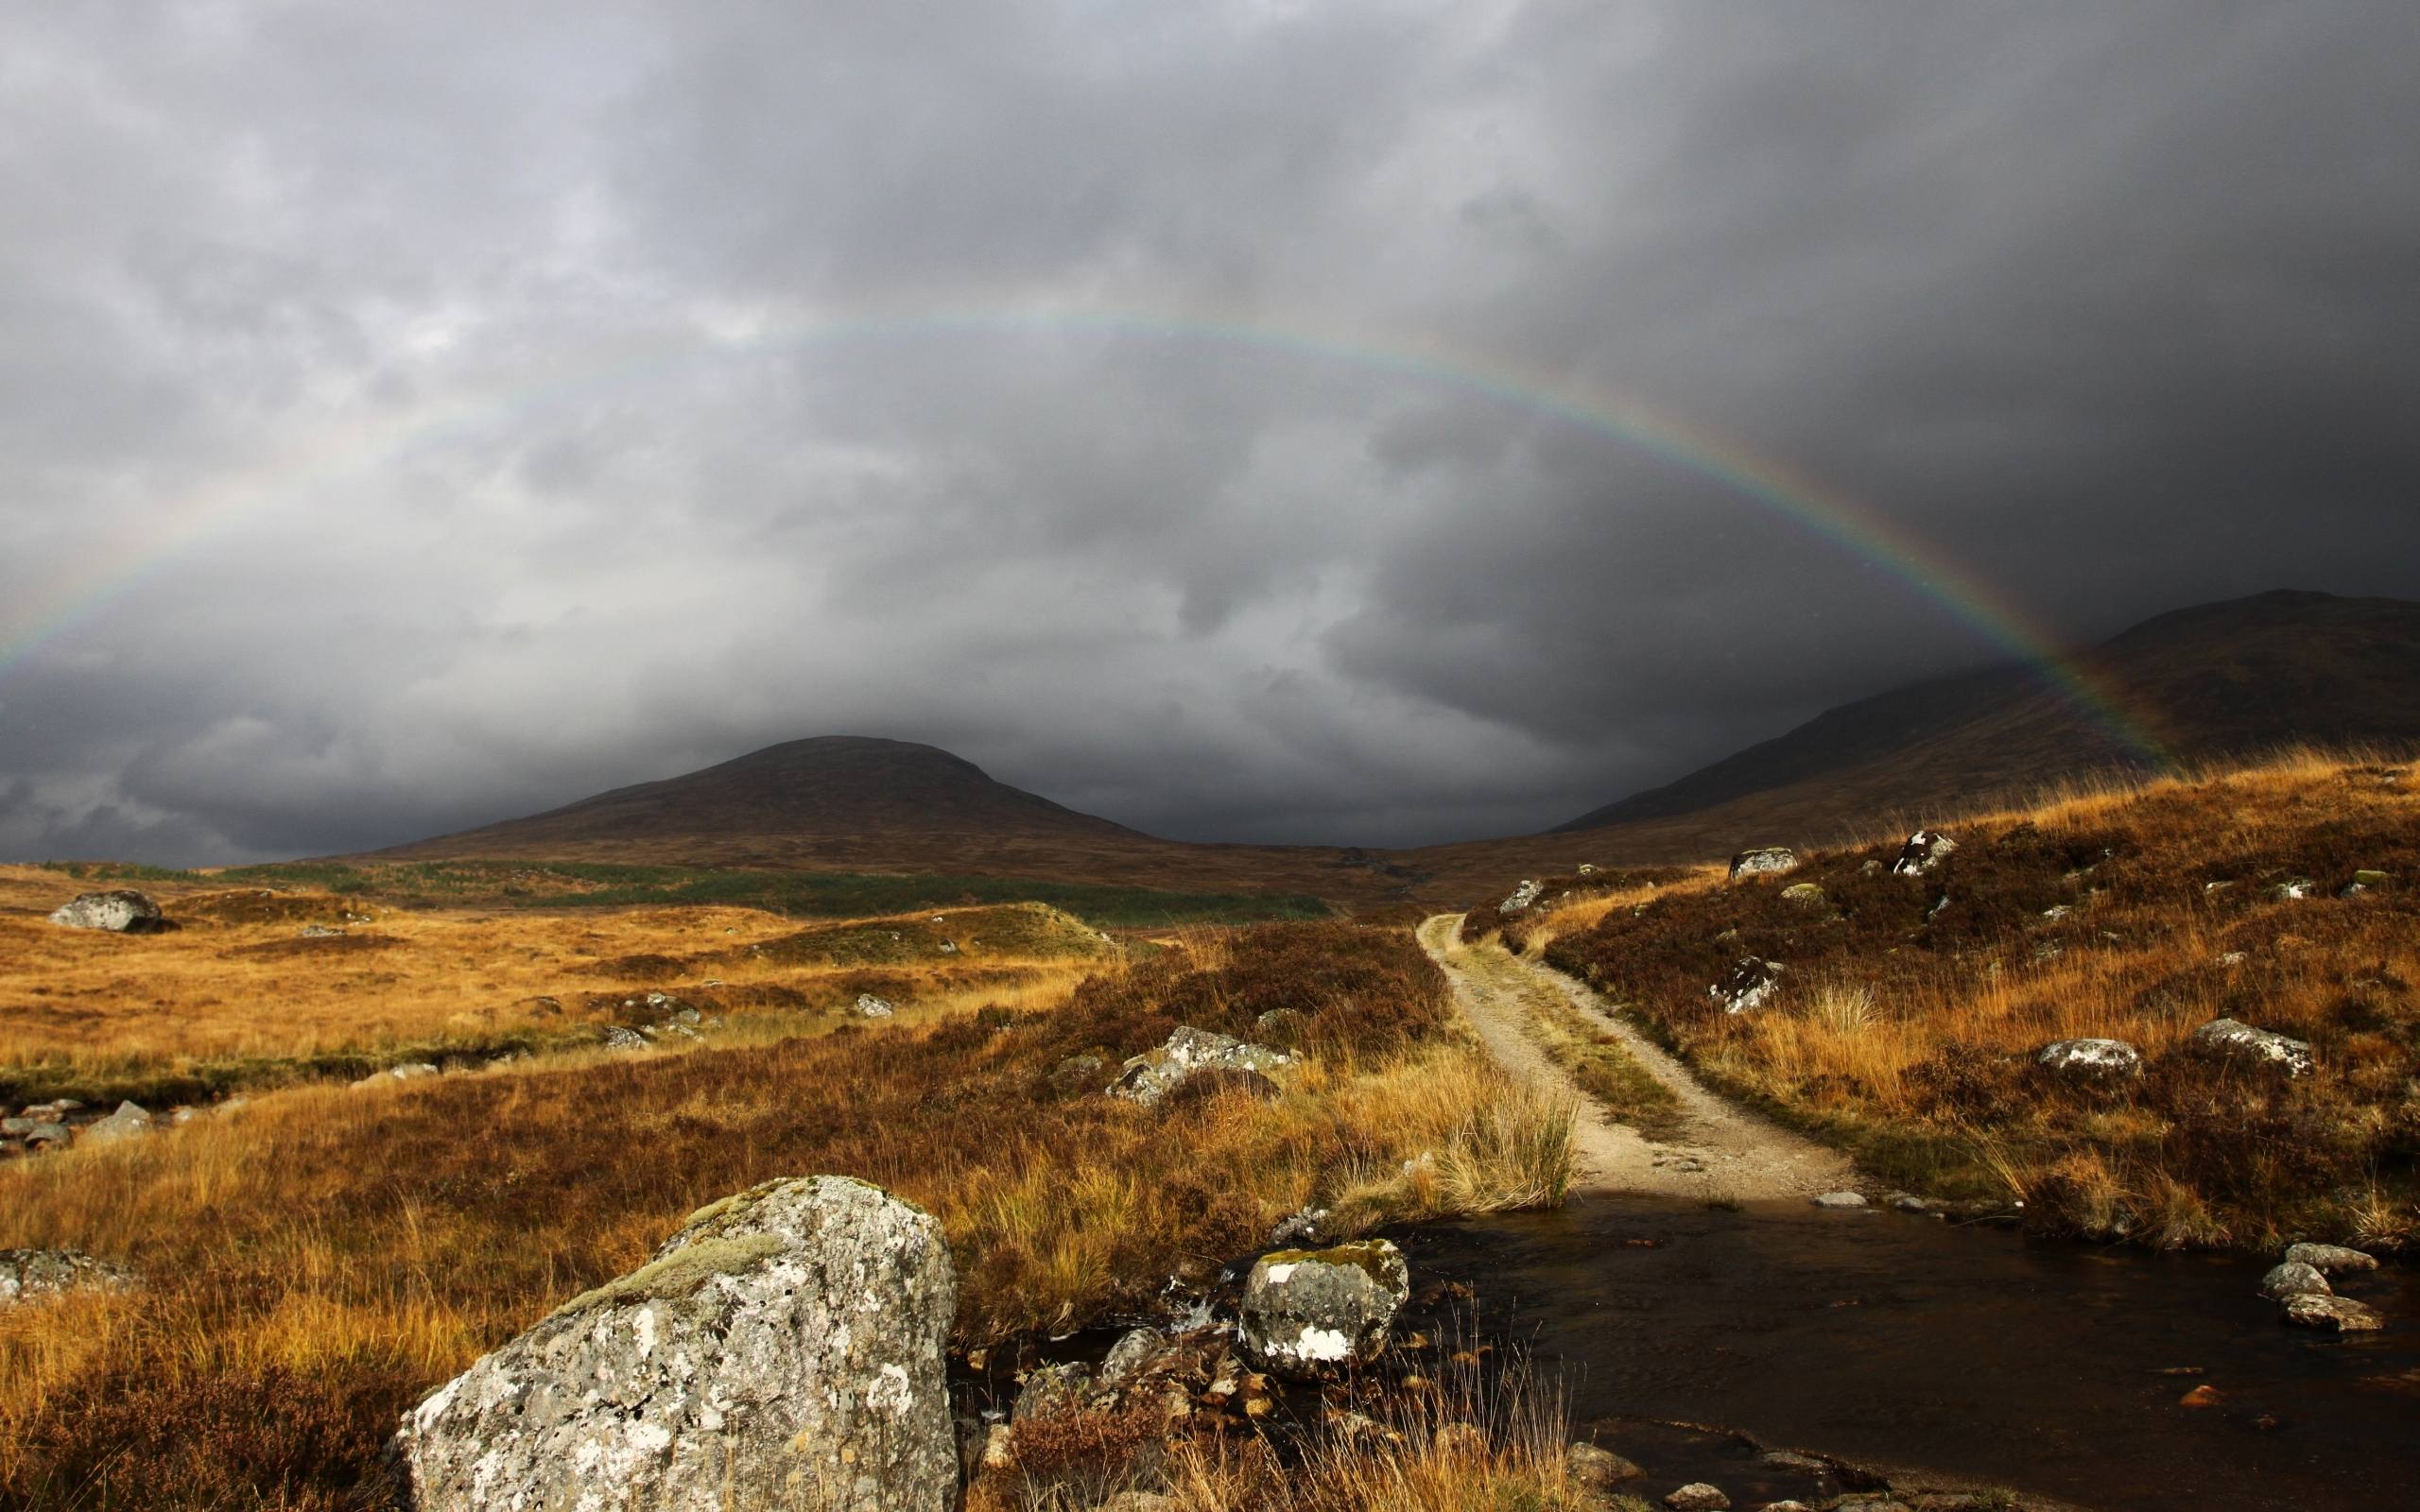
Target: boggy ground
point(319, 1257)
point(1909, 1007)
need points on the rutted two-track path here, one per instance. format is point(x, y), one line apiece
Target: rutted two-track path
point(1716, 1151)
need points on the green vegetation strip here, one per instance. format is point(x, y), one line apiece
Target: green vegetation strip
point(799, 894)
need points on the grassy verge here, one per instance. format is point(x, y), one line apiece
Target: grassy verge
point(799, 894)
point(320, 1258)
point(1912, 1007)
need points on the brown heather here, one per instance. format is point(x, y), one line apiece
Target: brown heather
point(1907, 1035)
point(321, 1257)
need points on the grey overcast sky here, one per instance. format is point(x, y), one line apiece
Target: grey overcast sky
point(415, 415)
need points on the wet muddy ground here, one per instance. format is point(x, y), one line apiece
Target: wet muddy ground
point(1899, 1341)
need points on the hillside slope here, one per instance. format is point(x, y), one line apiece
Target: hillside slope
point(2206, 684)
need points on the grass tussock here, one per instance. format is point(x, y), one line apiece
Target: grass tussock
point(1911, 1008)
point(320, 1258)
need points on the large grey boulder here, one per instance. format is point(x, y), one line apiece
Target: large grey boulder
point(1762, 861)
point(1189, 1052)
point(1752, 980)
point(1925, 850)
point(2090, 1059)
point(783, 1350)
point(121, 911)
point(1313, 1315)
point(29, 1275)
point(2228, 1039)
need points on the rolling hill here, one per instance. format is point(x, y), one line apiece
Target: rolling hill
point(2206, 684)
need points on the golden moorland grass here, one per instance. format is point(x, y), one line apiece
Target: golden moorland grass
point(1912, 1007)
point(238, 997)
point(321, 1256)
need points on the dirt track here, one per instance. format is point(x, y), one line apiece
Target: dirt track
point(1718, 1151)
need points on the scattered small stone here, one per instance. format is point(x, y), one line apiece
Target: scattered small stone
point(2293, 1279)
point(1698, 1497)
point(1304, 1227)
point(2059, 911)
point(1763, 861)
point(1077, 1073)
point(1938, 905)
point(28, 1275)
point(1283, 1025)
point(1752, 980)
point(2227, 1039)
point(2090, 1059)
point(119, 911)
point(1839, 1199)
point(1907, 1202)
point(126, 1123)
point(1132, 1353)
point(617, 1037)
point(1051, 1388)
point(2334, 1314)
point(1598, 1469)
point(1520, 897)
point(1805, 895)
point(1925, 850)
point(2233, 958)
point(2368, 877)
point(870, 1007)
point(2330, 1259)
point(2202, 1396)
point(2293, 889)
point(1785, 1459)
point(321, 931)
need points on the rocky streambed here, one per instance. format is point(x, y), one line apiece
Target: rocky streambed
point(2113, 1379)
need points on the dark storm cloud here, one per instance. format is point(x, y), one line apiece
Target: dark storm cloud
point(485, 347)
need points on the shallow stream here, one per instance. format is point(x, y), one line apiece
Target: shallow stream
point(1893, 1340)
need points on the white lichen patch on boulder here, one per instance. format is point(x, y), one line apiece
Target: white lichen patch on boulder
point(1190, 1051)
point(782, 1349)
point(1317, 1314)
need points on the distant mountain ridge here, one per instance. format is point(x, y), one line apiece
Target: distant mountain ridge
point(2206, 684)
point(2209, 682)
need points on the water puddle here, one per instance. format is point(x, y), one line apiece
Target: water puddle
point(1890, 1340)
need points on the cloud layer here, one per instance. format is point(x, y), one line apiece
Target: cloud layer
point(414, 416)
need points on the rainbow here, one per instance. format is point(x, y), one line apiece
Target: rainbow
point(120, 564)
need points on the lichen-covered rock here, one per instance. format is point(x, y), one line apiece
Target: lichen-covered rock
point(1133, 1351)
point(1925, 850)
point(782, 1349)
point(1752, 980)
point(1313, 1315)
point(1599, 1469)
point(2332, 1314)
point(2228, 1039)
point(1520, 897)
point(1697, 1497)
point(2293, 1279)
point(2330, 1259)
point(1838, 1199)
point(1051, 1388)
point(1763, 861)
point(1305, 1228)
point(1150, 1076)
point(870, 1007)
point(28, 1275)
point(126, 1123)
point(120, 911)
point(618, 1037)
point(1805, 895)
point(2090, 1059)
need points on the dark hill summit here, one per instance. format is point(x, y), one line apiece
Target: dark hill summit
point(2205, 684)
point(833, 787)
